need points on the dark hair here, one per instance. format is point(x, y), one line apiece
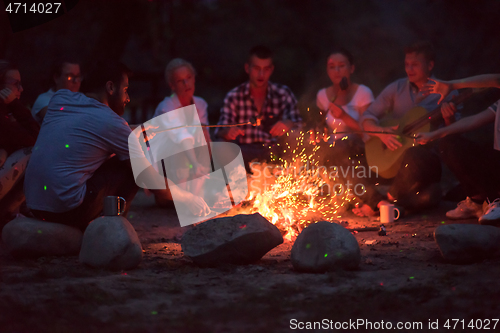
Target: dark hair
point(5, 66)
point(58, 64)
point(344, 52)
point(423, 47)
point(104, 72)
point(261, 52)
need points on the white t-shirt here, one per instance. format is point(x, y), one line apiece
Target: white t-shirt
point(362, 97)
point(41, 101)
point(172, 103)
point(71, 146)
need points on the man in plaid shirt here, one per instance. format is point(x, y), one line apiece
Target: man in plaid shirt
point(273, 104)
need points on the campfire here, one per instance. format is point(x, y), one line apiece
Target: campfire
point(294, 191)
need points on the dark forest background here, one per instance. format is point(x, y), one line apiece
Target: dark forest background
point(215, 35)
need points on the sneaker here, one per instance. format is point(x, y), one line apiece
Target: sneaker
point(466, 209)
point(492, 214)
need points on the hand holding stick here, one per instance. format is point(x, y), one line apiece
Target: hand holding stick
point(336, 112)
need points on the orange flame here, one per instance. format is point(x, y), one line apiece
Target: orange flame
point(290, 193)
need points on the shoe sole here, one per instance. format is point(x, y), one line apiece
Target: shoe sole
point(495, 223)
point(461, 218)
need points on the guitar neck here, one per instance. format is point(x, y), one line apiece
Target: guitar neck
point(436, 113)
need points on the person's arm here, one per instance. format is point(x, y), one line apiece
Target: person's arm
point(14, 136)
point(362, 100)
point(195, 204)
point(201, 108)
point(443, 88)
point(448, 111)
point(21, 133)
point(199, 169)
point(339, 113)
point(23, 115)
point(227, 117)
point(378, 109)
point(40, 105)
point(147, 177)
point(290, 116)
point(291, 111)
point(41, 114)
point(370, 119)
point(463, 125)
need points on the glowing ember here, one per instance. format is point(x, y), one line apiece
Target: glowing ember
point(295, 191)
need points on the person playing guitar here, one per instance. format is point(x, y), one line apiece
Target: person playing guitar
point(416, 183)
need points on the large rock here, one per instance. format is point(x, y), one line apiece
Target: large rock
point(240, 239)
point(27, 237)
point(467, 243)
point(325, 246)
point(111, 242)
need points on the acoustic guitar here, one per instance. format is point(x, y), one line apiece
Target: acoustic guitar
point(417, 120)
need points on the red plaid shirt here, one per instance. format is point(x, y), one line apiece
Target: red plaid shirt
point(239, 107)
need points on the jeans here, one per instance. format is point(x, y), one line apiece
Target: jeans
point(112, 178)
point(416, 185)
point(475, 166)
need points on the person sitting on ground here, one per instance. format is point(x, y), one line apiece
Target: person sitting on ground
point(71, 171)
point(344, 107)
point(274, 105)
point(65, 74)
point(475, 166)
point(19, 132)
point(180, 76)
point(416, 186)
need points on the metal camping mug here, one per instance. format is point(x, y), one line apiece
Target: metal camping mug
point(113, 206)
point(387, 213)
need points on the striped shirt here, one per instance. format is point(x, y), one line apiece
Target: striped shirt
point(239, 107)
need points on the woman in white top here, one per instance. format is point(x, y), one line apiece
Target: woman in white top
point(344, 109)
point(188, 163)
point(348, 105)
point(180, 76)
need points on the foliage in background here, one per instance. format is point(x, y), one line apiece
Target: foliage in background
point(215, 36)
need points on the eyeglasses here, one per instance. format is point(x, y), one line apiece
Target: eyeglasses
point(16, 83)
point(74, 78)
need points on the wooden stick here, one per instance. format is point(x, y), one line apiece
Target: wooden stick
point(364, 229)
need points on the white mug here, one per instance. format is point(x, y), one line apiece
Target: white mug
point(387, 213)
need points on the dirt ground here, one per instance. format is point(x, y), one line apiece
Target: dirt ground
point(402, 278)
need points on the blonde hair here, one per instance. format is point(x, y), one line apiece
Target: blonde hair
point(176, 64)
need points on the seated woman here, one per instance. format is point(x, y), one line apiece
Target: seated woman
point(19, 132)
point(192, 163)
point(344, 102)
point(343, 107)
